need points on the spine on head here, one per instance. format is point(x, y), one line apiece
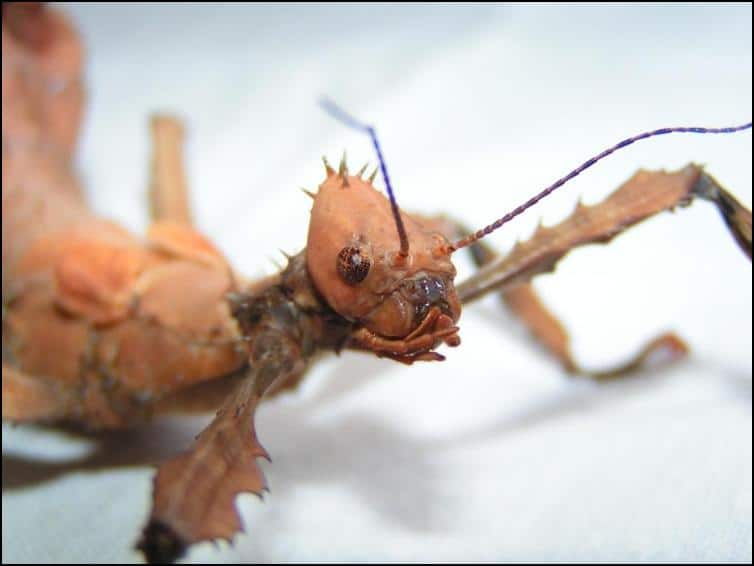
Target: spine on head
point(341, 115)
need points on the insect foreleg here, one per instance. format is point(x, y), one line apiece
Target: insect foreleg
point(283, 327)
point(642, 196)
point(194, 493)
point(523, 301)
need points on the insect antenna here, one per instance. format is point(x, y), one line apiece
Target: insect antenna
point(341, 115)
point(470, 239)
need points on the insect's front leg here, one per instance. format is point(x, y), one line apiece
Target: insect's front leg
point(194, 493)
point(644, 195)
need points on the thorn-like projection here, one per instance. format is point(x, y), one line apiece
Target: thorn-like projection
point(308, 193)
point(373, 175)
point(343, 167)
point(329, 171)
point(580, 206)
point(343, 170)
point(285, 254)
point(361, 171)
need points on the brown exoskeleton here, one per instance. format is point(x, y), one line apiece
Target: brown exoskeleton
point(361, 284)
point(103, 329)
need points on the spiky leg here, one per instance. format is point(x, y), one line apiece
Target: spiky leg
point(545, 327)
point(642, 196)
point(194, 493)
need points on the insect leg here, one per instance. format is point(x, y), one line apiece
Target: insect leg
point(194, 493)
point(526, 304)
point(642, 196)
point(523, 301)
point(168, 191)
point(550, 332)
point(171, 230)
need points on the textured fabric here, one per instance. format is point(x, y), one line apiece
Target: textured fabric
point(494, 454)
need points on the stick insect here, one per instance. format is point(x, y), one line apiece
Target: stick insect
point(159, 542)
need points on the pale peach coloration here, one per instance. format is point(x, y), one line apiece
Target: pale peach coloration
point(397, 292)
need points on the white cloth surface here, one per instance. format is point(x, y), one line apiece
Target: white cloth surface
point(494, 454)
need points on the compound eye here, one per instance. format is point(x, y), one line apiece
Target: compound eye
point(353, 265)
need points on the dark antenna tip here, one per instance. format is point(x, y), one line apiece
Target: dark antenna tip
point(342, 116)
point(471, 238)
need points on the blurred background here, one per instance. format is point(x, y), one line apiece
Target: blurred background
point(495, 454)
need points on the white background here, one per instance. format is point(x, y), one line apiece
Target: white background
point(494, 454)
